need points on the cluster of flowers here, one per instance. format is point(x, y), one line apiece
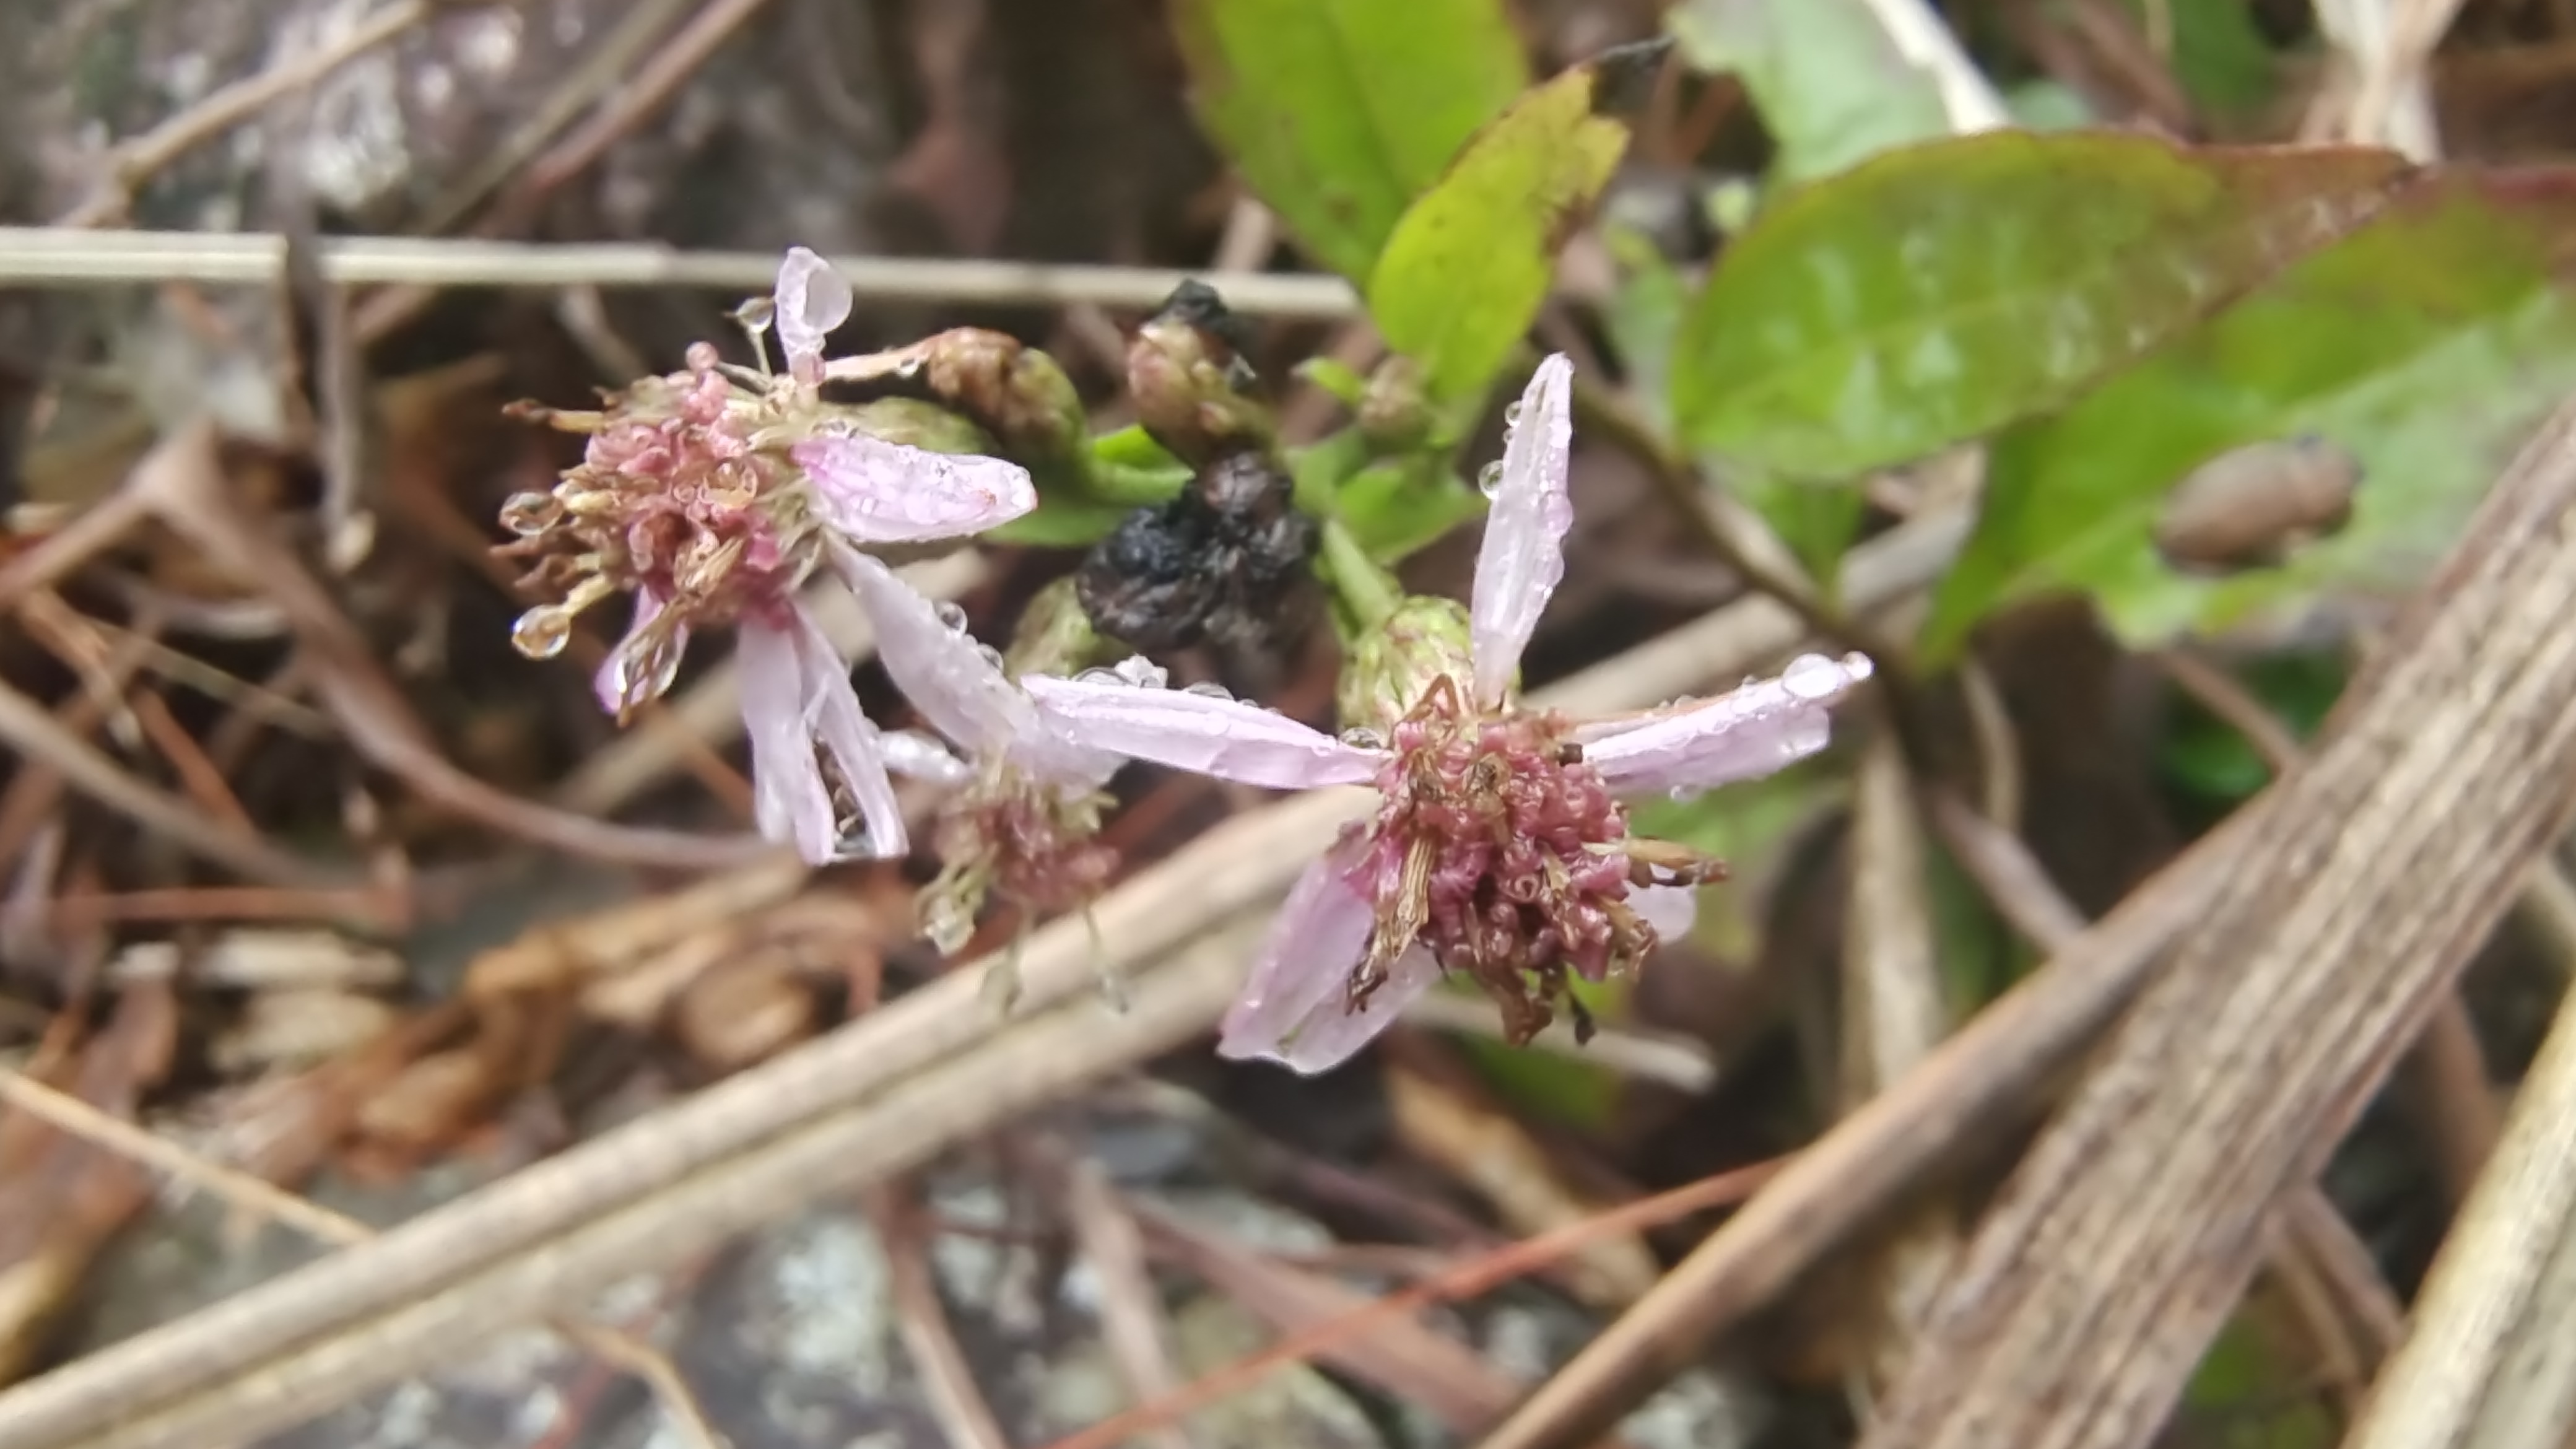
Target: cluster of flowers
point(1498, 850)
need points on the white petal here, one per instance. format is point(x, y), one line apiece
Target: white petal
point(811, 299)
point(872, 491)
point(832, 712)
point(1227, 738)
point(938, 666)
point(956, 685)
point(1669, 909)
point(1523, 555)
point(1750, 732)
point(916, 755)
point(615, 684)
point(1305, 963)
point(1334, 1033)
point(790, 802)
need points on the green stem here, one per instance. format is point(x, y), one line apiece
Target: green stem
point(1368, 594)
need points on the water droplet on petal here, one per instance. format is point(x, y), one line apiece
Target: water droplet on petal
point(530, 514)
point(993, 657)
point(1512, 414)
point(1141, 672)
point(1489, 479)
point(1207, 689)
point(1813, 676)
point(950, 615)
point(541, 632)
point(1102, 676)
point(1363, 739)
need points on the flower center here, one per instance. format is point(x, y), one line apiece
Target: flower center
point(1498, 849)
point(1016, 839)
point(672, 494)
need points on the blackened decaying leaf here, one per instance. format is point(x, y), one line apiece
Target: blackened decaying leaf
point(1229, 560)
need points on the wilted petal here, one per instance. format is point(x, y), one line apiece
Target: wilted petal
point(618, 683)
point(938, 666)
point(790, 801)
point(1669, 909)
point(956, 683)
point(811, 299)
point(872, 491)
point(916, 755)
point(1750, 732)
point(1523, 555)
point(1294, 1009)
point(832, 707)
point(1210, 734)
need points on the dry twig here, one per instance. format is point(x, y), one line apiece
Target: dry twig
point(2111, 1257)
point(877, 1095)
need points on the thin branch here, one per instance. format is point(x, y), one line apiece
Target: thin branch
point(965, 1420)
point(882, 1092)
point(135, 162)
point(63, 257)
point(2372, 875)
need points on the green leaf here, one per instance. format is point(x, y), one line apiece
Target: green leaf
point(1062, 523)
point(1466, 269)
point(1401, 506)
point(2427, 347)
point(1944, 290)
point(1643, 316)
point(1832, 88)
point(1339, 112)
point(2211, 758)
point(2219, 54)
point(1816, 521)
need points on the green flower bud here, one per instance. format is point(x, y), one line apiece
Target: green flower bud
point(1055, 636)
point(1394, 414)
point(1388, 670)
point(915, 423)
point(1193, 390)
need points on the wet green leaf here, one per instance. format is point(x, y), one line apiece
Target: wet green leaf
point(1466, 269)
point(1832, 89)
point(2427, 347)
point(1398, 507)
point(1340, 112)
point(1941, 291)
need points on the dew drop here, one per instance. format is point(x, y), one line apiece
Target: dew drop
point(1207, 689)
point(1813, 676)
point(541, 632)
point(530, 514)
point(1364, 739)
point(951, 615)
point(1101, 676)
point(1512, 414)
point(993, 657)
point(1489, 479)
point(1141, 672)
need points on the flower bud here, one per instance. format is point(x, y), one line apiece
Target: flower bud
point(1193, 390)
point(1388, 671)
point(918, 424)
point(1015, 391)
point(1395, 415)
point(1055, 636)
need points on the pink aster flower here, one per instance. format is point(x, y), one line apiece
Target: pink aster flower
point(1024, 826)
point(711, 494)
point(1498, 847)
